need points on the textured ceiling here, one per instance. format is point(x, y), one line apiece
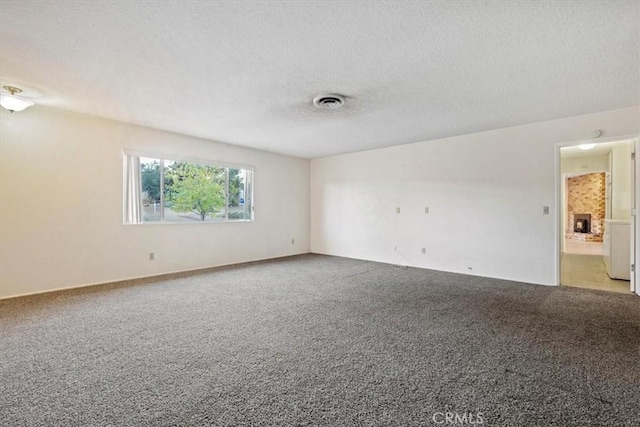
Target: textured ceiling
point(246, 72)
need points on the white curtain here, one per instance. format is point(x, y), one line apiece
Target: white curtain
point(132, 191)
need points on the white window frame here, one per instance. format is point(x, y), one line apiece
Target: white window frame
point(207, 162)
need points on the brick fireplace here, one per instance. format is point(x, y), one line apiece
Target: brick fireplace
point(586, 201)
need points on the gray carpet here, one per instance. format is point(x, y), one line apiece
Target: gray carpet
point(317, 340)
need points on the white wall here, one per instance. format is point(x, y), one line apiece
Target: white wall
point(485, 194)
point(620, 181)
point(61, 205)
point(585, 164)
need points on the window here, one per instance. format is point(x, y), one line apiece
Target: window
point(160, 190)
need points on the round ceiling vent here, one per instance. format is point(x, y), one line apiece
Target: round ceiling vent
point(329, 101)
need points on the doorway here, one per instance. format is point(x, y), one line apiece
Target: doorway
point(597, 233)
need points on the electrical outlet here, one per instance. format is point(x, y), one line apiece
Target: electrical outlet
point(424, 251)
point(545, 210)
point(426, 210)
point(293, 241)
point(152, 256)
point(397, 210)
point(470, 268)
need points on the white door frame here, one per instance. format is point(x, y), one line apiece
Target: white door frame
point(635, 217)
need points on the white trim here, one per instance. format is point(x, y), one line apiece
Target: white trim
point(559, 244)
point(158, 275)
point(199, 223)
point(635, 218)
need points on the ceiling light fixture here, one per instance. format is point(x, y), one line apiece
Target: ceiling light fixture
point(13, 102)
point(586, 146)
point(329, 101)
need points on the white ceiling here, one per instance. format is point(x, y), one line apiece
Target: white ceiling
point(600, 149)
point(246, 72)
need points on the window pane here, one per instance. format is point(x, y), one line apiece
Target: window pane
point(236, 194)
point(239, 195)
point(150, 179)
point(193, 192)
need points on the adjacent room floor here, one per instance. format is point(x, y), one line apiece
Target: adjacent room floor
point(318, 340)
point(582, 248)
point(582, 266)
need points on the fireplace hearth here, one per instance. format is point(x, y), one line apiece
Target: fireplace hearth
point(582, 223)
